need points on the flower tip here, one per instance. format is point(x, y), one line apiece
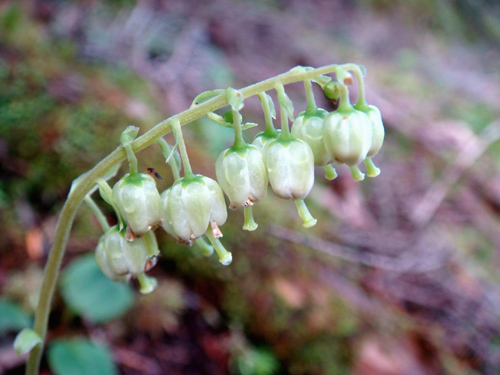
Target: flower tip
point(310, 223)
point(356, 173)
point(147, 284)
point(373, 173)
point(250, 227)
point(226, 259)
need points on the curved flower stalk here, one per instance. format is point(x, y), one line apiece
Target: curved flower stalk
point(348, 133)
point(309, 126)
point(135, 195)
point(375, 116)
point(193, 204)
point(290, 163)
point(240, 169)
point(270, 133)
point(204, 105)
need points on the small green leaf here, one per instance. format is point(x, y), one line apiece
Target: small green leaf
point(234, 98)
point(219, 119)
point(270, 103)
point(129, 134)
point(284, 100)
point(322, 80)
point(80, 357)
point(91, 294)
point(105, 191)
point(249, 125)
point(257, 361)
point(26, 340)
point(12, 317)
point(206, 96)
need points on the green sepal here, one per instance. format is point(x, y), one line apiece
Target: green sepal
point(26, 340)
point(105, 191)
point(169, 152)
point(221, 121)
point(322, 80)
point(270, 102)
point(234, 98)
point(206, 96)
point(129, 134)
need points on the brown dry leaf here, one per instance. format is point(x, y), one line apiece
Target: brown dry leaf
point(395, 356)
point(34, 243)
point(290, 292)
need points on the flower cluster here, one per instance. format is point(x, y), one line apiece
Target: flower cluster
point(194, 206)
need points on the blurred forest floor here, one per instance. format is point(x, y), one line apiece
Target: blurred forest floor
point(400, 276)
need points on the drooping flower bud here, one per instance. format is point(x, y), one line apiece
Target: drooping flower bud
point(119, 259)
point(138, 202)
point(242, 175)
point(348, 136)
point(378, 134)
point(290, 167)
point(261, 139)
point(309, 127)
point(190, 206)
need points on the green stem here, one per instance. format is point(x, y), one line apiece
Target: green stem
point(371, 168)
point(356, 173)
point(311, 102)
point(147, 283)
point(167, 151)
point(270, 129)
point(330, 172)
point(361, 104)
point(249, 223)
point(68, 212)
point(225, 256)
point(307, 219)
point(285, 130)
point(107, 195)
point(345, 104)
point(97, 212)
point(148, 239)
point(188, 172)
point(132, 159)
point(206, 249)
point(238, 134)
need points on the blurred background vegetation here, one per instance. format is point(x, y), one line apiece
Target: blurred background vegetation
point(400, 276)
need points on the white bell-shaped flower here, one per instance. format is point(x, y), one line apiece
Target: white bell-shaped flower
point(190, 206)
point(242, 175)
point(119, 258)
point(138, 202)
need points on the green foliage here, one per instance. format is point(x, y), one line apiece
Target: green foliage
point(257, 361)
point(11, 18)
point(91, 294)
point(12, 317)
point(26, 340)
point(80, 357)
